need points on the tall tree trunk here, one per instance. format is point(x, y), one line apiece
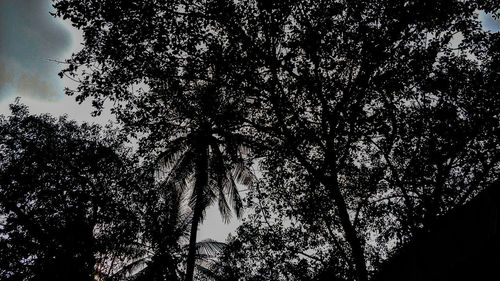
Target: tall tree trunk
point(200, 184)
point(349, 230)
point(192, 246)
point(331, 183)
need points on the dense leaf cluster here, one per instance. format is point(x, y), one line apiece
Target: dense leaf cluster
point(64, 197)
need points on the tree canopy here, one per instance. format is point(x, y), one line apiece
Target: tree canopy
point(366, 120)
point(64, 197)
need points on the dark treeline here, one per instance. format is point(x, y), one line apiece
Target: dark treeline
point(355, 125)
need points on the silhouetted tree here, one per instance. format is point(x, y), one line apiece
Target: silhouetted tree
point(184, 117)
point(200, 159)
point(63, 197)
point(163, 244)
point(369, 118)
point(347, 89)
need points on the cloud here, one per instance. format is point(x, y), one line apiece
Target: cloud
point(31, 86)
point(29, 37)
point(29, 29)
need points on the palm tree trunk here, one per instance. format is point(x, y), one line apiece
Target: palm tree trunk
point(192, 247)
point(200, 184)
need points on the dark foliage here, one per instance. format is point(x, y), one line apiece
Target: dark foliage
point(63, 198)
point(369, 120)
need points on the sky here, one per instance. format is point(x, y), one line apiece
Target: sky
point(31, 40)
point(489, 23)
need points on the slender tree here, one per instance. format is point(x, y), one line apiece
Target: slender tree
point(211, 166)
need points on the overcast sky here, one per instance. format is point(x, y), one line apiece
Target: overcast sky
point(31, 39)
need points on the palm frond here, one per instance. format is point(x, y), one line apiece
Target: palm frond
point(182, 169)
point(233, 194)
point(226, 184)
point(204, 270)
point(130, 269)
point(224, 209)
point(170, 155)
point(209, 248)
point(184, 224)
point(242, 174)
point(207, 198)
point(136, 250)
point(241, 144)
point(244, 150)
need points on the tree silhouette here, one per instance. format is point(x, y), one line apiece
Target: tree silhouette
point(63, 197)
point(370, 119)
point(210, 161)
point(190, 124)
point(162, 246)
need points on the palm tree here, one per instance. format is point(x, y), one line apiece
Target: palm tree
point(196, 141)
point(158, 257)
point(154, 256)
point(210, 162)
